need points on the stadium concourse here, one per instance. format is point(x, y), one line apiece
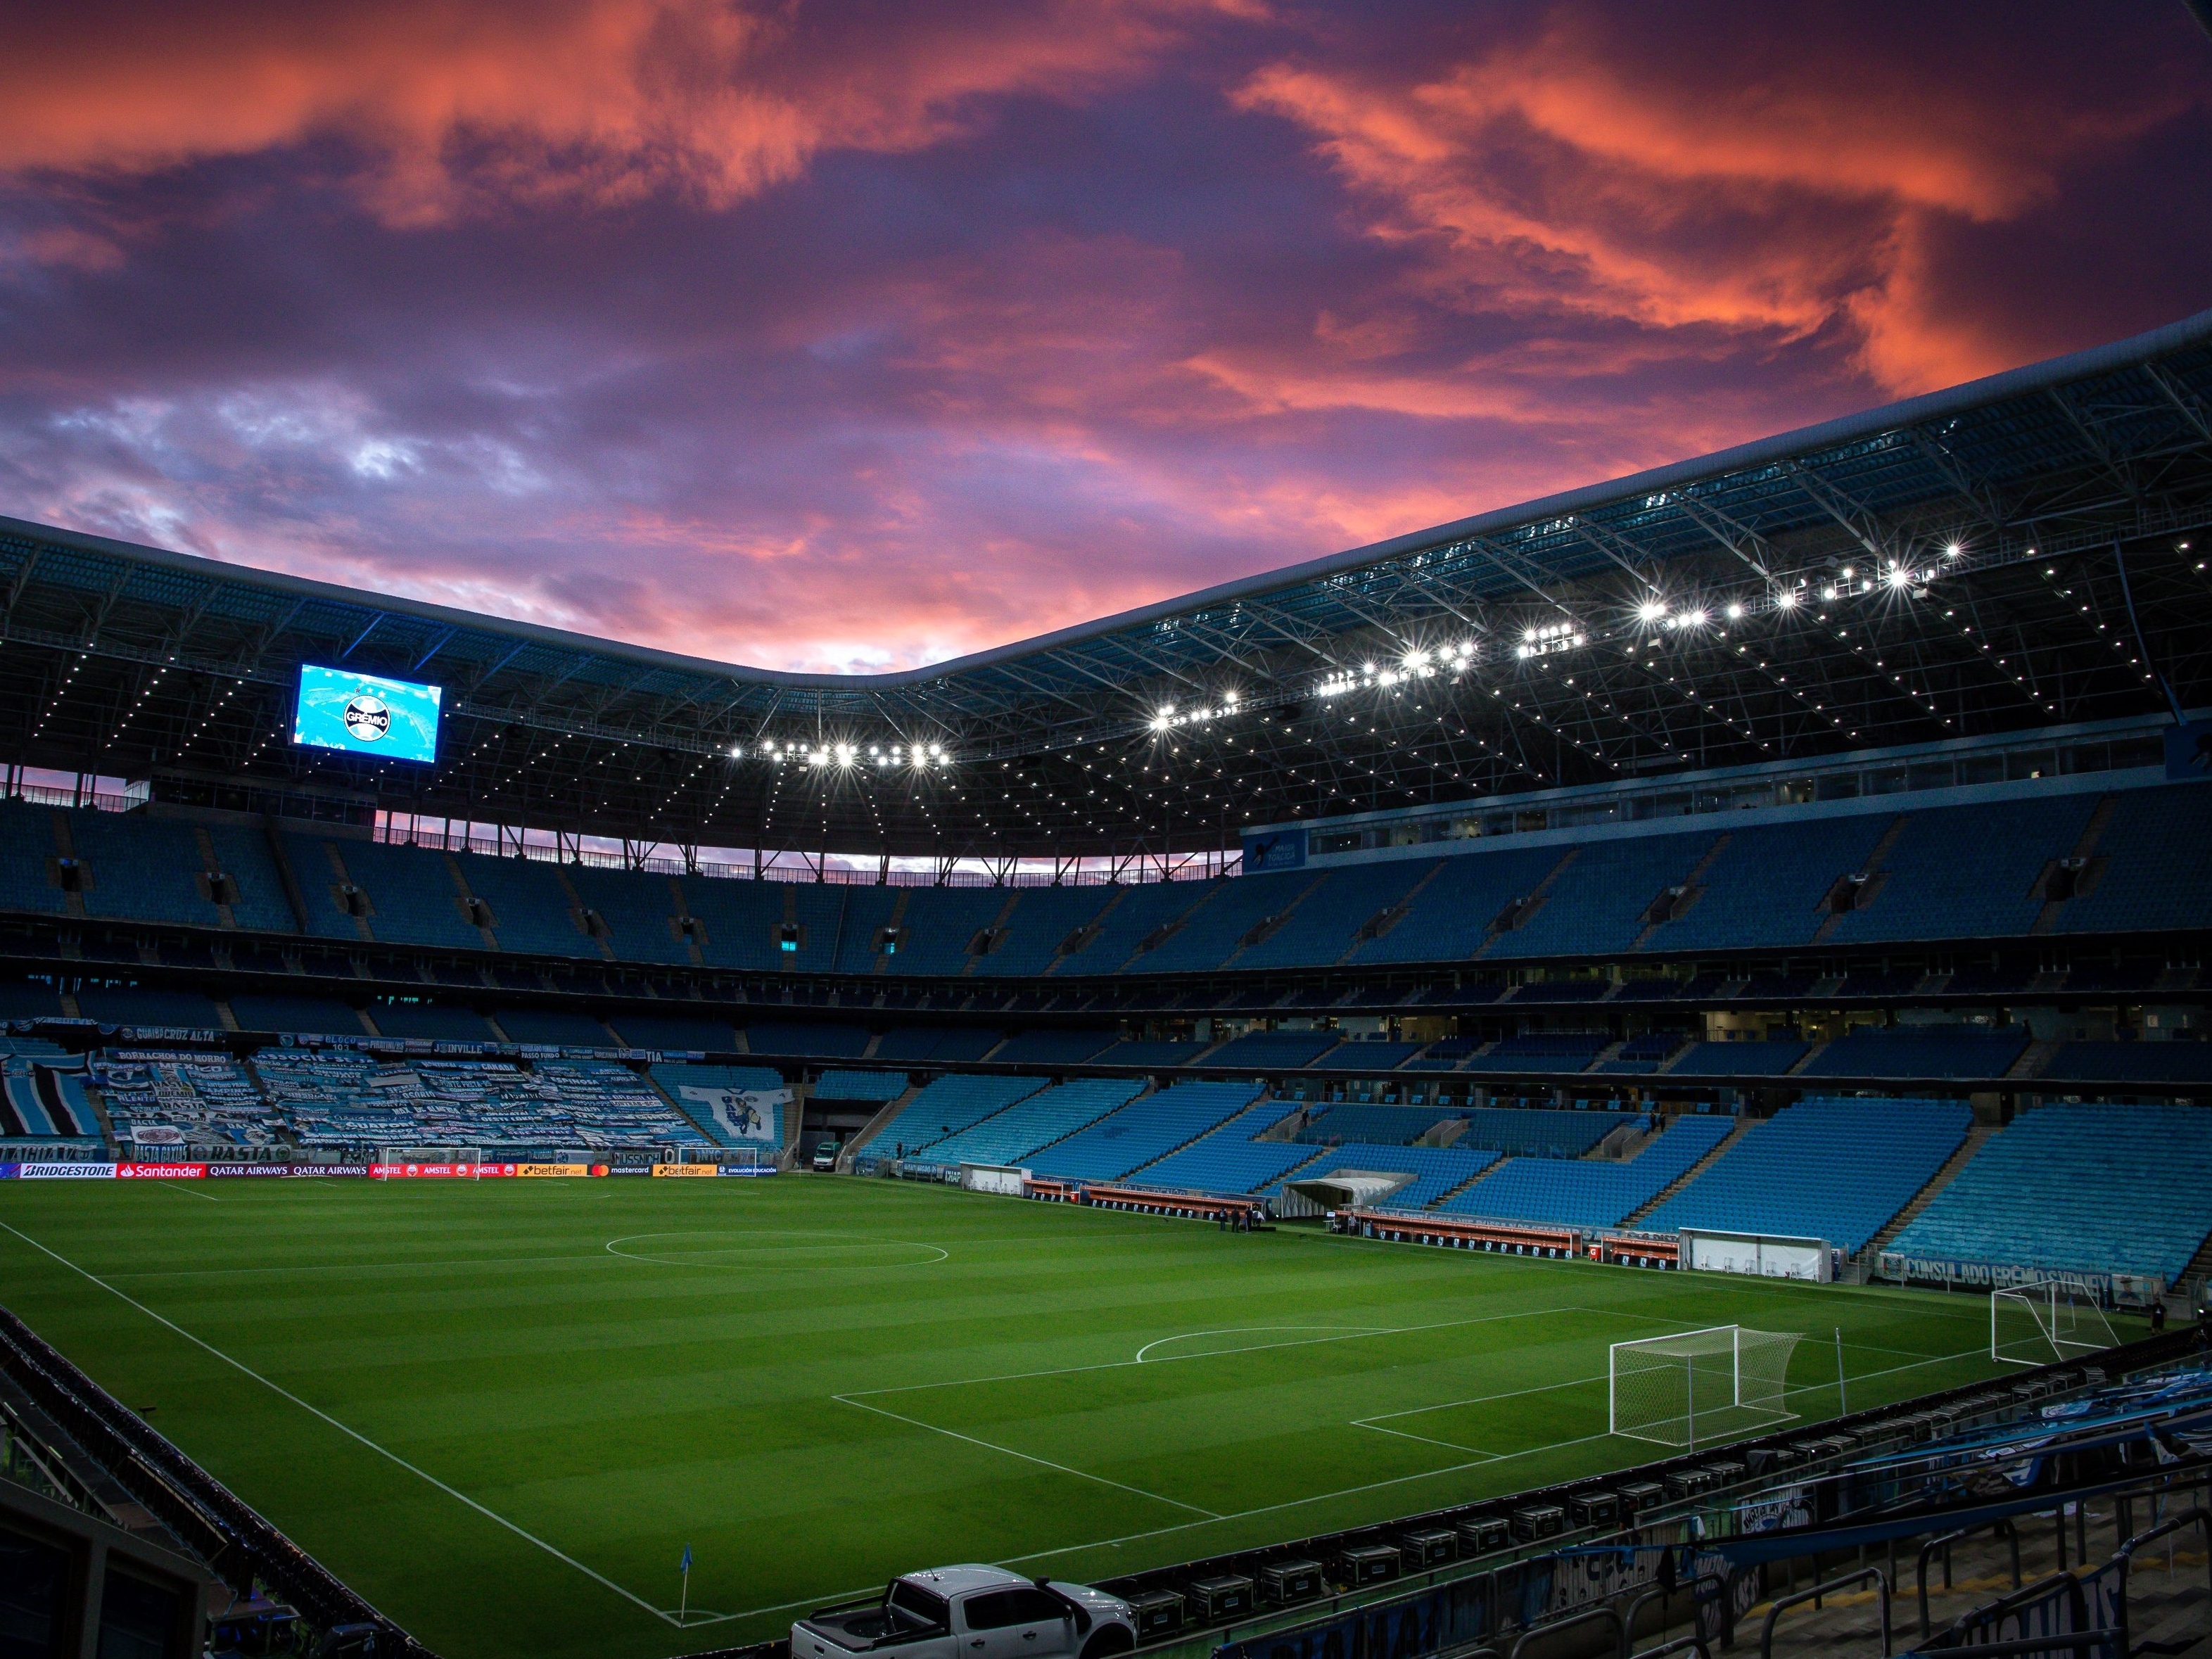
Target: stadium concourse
point(1792, 861)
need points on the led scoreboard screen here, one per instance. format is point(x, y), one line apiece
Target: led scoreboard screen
point(366, 714)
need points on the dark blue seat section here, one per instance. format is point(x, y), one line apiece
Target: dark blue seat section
point(680, 1033)
point(531, 911)
point(1147, 1128)
point(1034, 1123)
point(1449, 918)
point(1838, 1169)
point(1273, 1049)
point(1546, 1051)
point(1377, 1125)
point(29, 999)
point(146, 1004)
point(1230, 1159)
point(1327, 922)
point(2099, 1188)
point(841, 1042)
point(1042, 919)
point(1213, 931)
point(554, 1026)
point(1955, 1052)
point(1967, 871)
point(441, 1021)
point(1947, 873)
point(1436, 1170)
point(1765, 887)
point(939, 931)
point(1370, 1055)
point(305, 1016)
point(1049, 1047)
point(1581, 1191)
point(1123, 926)
point(412, 895)
point(2130, 1062)
point(1144, 1051)
point(944, 1043)
point(1598, 902)
point(638, 910)
point(28, 851)
point(1772, 1058)
point(2154, 865)
point(878, 1086)
point(941, 1109)
point(1539, 1131)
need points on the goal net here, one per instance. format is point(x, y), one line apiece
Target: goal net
point(2045, 1322)
point(1700, 1386)
point(389, 1162)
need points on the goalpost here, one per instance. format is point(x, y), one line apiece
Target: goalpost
point(2045, 1323)
point(458, 1160)
point(1713, 1384)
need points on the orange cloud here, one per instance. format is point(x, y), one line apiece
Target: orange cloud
point(1552, 179)
point(605, 100)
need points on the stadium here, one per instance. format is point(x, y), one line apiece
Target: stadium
point(1608, 1068)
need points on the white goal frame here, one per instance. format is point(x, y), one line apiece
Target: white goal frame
point(1755, 1401)
point(2067, 1319)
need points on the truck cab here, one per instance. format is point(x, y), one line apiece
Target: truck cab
point(971, 1612)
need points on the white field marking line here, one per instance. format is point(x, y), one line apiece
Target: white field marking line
point(1452, 1468)
point(1177, 1359)
point(171, 1184)
point(1042, 1462)
point(858, 1242)
point(351, 1433)
point(596, 1257)
point(1252, 1330)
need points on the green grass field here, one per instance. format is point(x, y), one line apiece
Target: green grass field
point(501, 1410)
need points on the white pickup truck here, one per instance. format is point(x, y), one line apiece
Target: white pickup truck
point(971, 1612)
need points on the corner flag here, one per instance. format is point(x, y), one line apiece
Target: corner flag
point(684, 1566)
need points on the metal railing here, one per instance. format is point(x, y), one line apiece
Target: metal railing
point(1829, 1588)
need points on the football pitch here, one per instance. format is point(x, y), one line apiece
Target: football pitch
point(502, 1411)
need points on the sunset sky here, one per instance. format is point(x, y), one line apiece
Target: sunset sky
point(853, 337)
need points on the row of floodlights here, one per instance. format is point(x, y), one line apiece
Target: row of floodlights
point(1167, 717)
point(848, 755)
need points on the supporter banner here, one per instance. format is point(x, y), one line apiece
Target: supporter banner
point(59, 1171)
point(160, 1171)
point(157, 1134)
point(559, 1170)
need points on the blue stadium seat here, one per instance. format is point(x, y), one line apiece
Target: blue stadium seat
point(1147, 1128)
point(1582, 1192)
point(943, 1109)
point(1034, 1123)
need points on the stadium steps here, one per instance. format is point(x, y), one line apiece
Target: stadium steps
point(2046, 919)
point(497, 1030)
point(1097, 921)
point(489, 932)
point(2200, 1265)
point(1873, 863)
point(1267, 926)
point(226, 1017)
point(1193, 1140)
point(996, 926)
point(65, 846)
point(1694, 888)
point(1476, 1179)
point(874, 1038)
point(1524, 909)
point(1976, 1136)
point(203, 844)
point(578, 910)
point(1809, 1056)
point(2034, 1059)
point(882, 962)
point(1611, 1051)
point(1141, 1094)
point(1385, 922)
point(867, 1132)
point(1743, 1126)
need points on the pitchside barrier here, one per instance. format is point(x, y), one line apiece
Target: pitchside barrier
point(1701, 1537)
point(1510, 1237)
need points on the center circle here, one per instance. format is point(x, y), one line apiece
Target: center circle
point(753, 1250)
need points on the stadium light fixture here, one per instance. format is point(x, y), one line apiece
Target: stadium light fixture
point(1952, 550)
point(1734, 612)
point(1651, 610)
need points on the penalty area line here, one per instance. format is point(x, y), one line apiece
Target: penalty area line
point(1042, 1462)
point(284, 1393)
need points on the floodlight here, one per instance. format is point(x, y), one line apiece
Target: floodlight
point(1692, 619)
point(1785, 601)
point(737, 752)
point(936, 751)
point(1952, 550)
point(1735, 611)
point(1650, 610)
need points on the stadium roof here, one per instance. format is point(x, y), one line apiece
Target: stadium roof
point(1972, 560)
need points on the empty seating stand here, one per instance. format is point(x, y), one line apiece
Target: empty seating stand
point(1436, 1170)
point(2099, 1188)
point(943, 1109)
point(1592, 1192)
point(1035, 1123)
point(1838, 1169)
point(1230, 1159)
point(1147, 1128)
